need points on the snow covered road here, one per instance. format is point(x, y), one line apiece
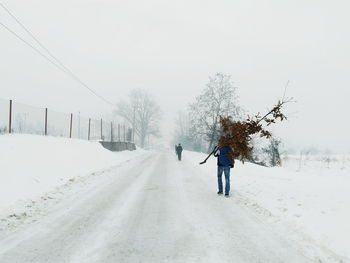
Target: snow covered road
point(153, 209)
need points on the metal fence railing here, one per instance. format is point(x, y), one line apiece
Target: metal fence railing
point(21, 118)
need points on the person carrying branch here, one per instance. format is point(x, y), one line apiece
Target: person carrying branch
point(235, 140)
point(225, 162)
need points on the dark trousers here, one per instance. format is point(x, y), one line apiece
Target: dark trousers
point(179, 156)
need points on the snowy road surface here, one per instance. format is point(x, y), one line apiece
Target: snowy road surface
point(153, 209)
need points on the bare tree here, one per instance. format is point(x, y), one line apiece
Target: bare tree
point(142, 112)
point(219, 98)
point(182, 128)
point(20, 123)
point(183, 133)
point(239, 134)
point(273, 152)
point(183, 124)
point(3, 130)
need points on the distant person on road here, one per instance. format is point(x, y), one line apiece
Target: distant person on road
point(225, 162)
point(179, 151)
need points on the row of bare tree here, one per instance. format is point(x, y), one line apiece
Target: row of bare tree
point(142, 112)
point(201, 126)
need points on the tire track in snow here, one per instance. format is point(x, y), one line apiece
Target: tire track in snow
point(155, 210)
point(60, 237)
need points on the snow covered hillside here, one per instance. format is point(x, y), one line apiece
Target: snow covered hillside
point(32, 165)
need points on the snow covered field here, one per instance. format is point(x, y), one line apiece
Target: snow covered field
point(78, 202)
point(32, 165)
point(319, 163)
point(313, 202)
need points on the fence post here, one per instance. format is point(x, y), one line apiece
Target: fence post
point(71, 125)
point(101, 131)
point(124, 132)
point(133, 127)
point(111, 131)
point(118, 132)
point(10, 117)
point(79, 125)
point(89, 129)
point(45, 121)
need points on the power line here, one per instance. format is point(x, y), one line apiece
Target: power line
point(56, 62)
point(30, 45)
point(71, 74)
point(31, 34)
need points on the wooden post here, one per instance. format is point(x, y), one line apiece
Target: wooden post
point(101, 131)
point(10, 117)
point(45, 121)
point(133, 126)
point(71, 125)
point(124, 132)
point(111, 131)
point(89, 129)
point(119, 132)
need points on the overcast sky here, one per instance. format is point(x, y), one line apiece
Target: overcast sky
point(171, 47)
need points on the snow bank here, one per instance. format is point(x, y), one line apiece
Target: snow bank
point(32, 165)
point(313, 202)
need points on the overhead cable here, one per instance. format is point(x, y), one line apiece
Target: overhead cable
point(55, 61)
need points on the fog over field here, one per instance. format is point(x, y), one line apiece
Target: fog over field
point(171, 48)
point(128, 127)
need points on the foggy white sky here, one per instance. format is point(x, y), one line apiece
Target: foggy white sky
point(171, 47)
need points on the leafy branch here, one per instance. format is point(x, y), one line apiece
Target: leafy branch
point(238, 134)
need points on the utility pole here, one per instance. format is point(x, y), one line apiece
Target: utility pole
point(45, 121)
point(10, 117)
point(89, 129)
point(111, 131)
point(71, 125)
point(79, 126)
point(101, 130)
point(133, 127)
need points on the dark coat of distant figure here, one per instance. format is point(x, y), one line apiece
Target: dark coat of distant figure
point(179, 151)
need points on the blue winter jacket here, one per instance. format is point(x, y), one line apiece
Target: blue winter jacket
point(223, 156)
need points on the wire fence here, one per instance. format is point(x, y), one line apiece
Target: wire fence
point(21, 118)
